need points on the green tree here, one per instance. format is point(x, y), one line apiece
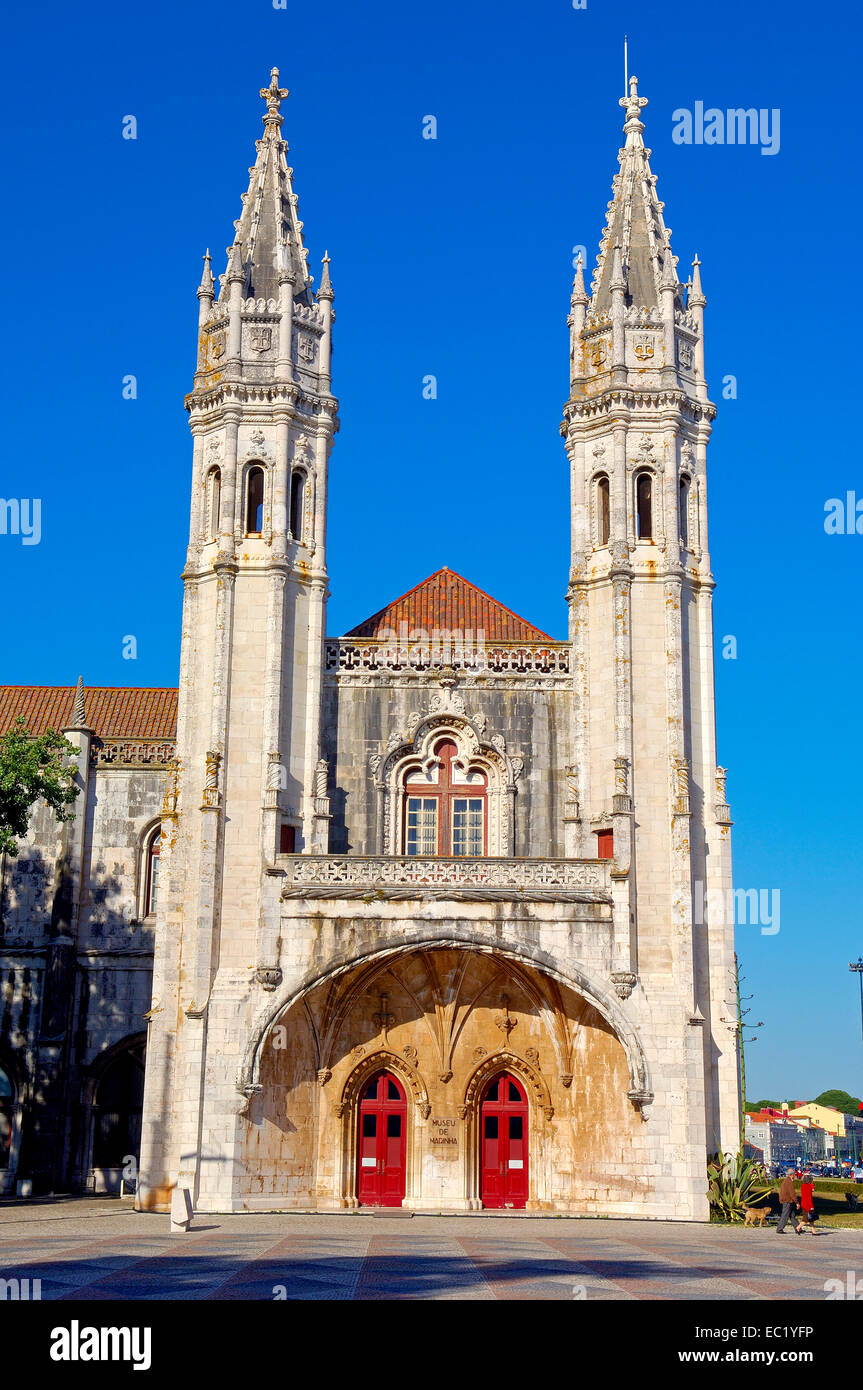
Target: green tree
point(32, 769)
point(839, 1100)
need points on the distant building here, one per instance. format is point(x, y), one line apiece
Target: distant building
point(844, 1133)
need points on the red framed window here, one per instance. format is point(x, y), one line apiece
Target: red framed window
point(604, 844)
point(446, 809)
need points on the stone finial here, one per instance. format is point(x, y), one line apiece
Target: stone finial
point(326, 289)
point(207, 287)
point(695, 299)
point(579, 293)
point(633, 104)
point(79, 712)
point(274, 95)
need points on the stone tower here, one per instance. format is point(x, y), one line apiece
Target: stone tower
point(636, 426)
point(247, 780)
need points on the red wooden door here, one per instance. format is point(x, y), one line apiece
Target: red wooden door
point(503, 1130)
point(381, 1157)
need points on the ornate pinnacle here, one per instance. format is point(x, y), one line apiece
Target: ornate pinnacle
point(206, 289)
point(79, 713)
point(668, 280)
point(326, 288)
point(273, 95)
point(633, 104)
point(236, 270)
point(579, 293)
point(618, 280)
point(695, 298)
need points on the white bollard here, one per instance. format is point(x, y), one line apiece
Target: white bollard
point(181, 1210)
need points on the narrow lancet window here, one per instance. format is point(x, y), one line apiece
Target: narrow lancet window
point(603, 511)
point(214, 498)
point(254, 501)
point(298, 481)
point(644, 507)
point(683, 511)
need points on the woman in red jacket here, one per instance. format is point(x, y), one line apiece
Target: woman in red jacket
point(807, 1204)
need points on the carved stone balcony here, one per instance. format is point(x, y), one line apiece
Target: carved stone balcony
point(381, 877)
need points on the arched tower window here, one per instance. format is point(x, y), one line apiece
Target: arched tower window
point(644, 506)
point(152, 847)
point(214, 500)
point(255, 501)
point(683, 509)
point(445, 808)
point(603, 510)
point(298, 483)
point(7, 1117)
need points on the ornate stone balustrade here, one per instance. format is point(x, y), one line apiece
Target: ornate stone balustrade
point(130, 752)
point(352, 656)
point(380, 876)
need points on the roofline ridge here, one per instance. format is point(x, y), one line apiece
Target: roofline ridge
point(446, 569)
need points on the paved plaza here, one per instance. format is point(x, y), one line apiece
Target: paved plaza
point(94, 1250)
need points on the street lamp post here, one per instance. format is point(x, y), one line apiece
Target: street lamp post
point(856, 967)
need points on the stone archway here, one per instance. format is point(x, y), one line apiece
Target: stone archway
point(442, 1017)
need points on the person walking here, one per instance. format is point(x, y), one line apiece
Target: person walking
point(807, 1204)
point(788, 1198)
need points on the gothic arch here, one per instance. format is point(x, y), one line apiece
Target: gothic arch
point(382, 1059)
point(506, 1060)
point(606, 1004)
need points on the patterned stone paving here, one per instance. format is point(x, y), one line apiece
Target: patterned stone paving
point(100, 1251)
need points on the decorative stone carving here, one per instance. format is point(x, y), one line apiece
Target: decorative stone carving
point(411, 1054)
point(260, 338)
point(212, 795)
point(321, 778)
point(171, 794)
point(643, 345)
point(624, 983)
point(621, 777)
point(368, 873)
point(504, 1022)
point(681, 785)
point(645, 451)
point(324, 1075)
point(269, 977)
point(479, 1053)
point(532, 1055)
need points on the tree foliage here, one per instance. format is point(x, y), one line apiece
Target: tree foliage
point(839, 1100)
point(33, 769)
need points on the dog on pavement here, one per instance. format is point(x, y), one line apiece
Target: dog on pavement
point(756, 1216)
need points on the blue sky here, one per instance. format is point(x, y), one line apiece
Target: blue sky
point(453, 257)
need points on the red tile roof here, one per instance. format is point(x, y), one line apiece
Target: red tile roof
point(112, 711)
point(446, 601)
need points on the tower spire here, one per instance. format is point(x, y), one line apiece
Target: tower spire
point(634, 222)
point(269, 231)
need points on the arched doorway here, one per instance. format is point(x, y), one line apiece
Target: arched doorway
point(504, 1118)
point(118, 1094)
point(382, 1122)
